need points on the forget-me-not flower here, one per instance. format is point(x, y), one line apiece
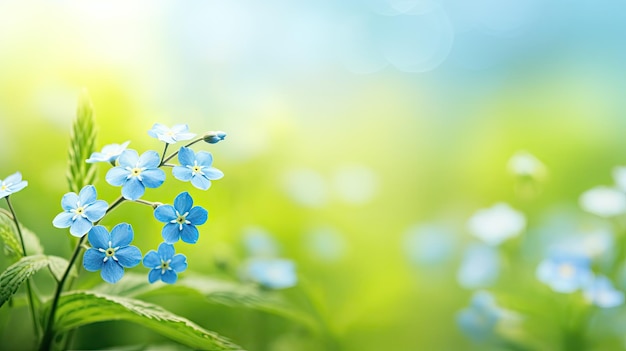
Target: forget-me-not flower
point(12, 184)
point(601, 293)
point(134, 174)
point(109, 153)
point(164, 264)
point(172, 135)
point(484, 319)
point(496, 224)
point(214, 137)
point(565, 272)
point(603, 201)
point(196, 167)
point(181, 219)
point(480, 267)
point(111, 252)
point(272, 273)
point(80, 211)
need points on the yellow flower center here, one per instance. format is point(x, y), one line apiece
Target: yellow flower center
point(136, 171)
point(566, 270)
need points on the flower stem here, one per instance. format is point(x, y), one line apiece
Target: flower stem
point(29, 289)
point(163, 156)
point(176, 152)
point(46, 342)
point(154, 205)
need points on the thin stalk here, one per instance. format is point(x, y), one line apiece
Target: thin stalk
point(29, 289)
point(176, 152)
point(163, 156)
point(46, 342)
point(154, 205)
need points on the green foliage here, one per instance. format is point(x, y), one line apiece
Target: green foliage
point(78, 308)
point(17, 273)
point(217, 291)
point(8, 234)
point(82, 144)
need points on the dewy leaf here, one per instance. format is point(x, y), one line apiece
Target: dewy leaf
point(82, 145)
point(17, 273)
point(78, 308)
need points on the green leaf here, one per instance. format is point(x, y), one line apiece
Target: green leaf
point(17, 273)
point(58, 265)
point(8, 234)
point(216, 291)
point(82, 145)
point(78, 308)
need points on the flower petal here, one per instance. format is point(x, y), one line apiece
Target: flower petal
point(149, 159)
point(169, 277)
point(128, 256)
point(166, 251)
point(133, 189)
point(151, 259)
point(153, 178)
point(87, 195)
point(19, 186)
point(63, 220)
point(165, 213)
point(80, 226)
point(189, 234)
point(180, 128)
point(183, 202)
point(186, 156)
point(111, 272)
point(128, 158)
point(13, 178)
point(204, 158)
point(179, 263)
point(198, 215)
point(99, 237)
point(121, 235)
point(200, 182)
point(154, 275)
point(117, 176)
point(69, 200)
point(213, 173)
point(170, 233)
point(96, 157)
point(97, 210)
point(157, 129)
point(182, 173)
point(92, 259)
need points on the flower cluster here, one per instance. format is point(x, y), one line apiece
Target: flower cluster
point(111, 252)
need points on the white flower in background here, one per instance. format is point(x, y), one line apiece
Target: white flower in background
point(496, 224)
point(524, 164)
point(619, 175)
point(603, 201)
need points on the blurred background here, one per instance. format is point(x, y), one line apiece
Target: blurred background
point(362, 137)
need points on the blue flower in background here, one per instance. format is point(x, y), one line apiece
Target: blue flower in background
point(172, 135)
point(109, 153)
point(111, 253)
point(214, 137)
point(12, 184)
point(479, 320)
point(197, 168)
point(181, 219)
point(80, 211)
point(565, 272)
point(134, 174)
point(601, 293)
point(480, 267)
point(272, 273)
point(164, 264)
point(260, 243)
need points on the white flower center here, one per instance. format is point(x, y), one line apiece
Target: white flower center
point(79, 211)
point(164, 266)
point(566, 270)
point(135, 172)
point(195, 169)
point(109, 252)
point(181, 219)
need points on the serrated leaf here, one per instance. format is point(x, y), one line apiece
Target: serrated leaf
point(58, 265)
point(8, 234)
point(216, 291)
point(17, 273)
point(82, 145)
point(78, 308)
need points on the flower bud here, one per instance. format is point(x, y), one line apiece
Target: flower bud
point(214, 137)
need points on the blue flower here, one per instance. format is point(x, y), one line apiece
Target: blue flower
point(80, 211)
point(111, 253)
point(565, 272)
point(109, 153)
point(12, 184)
point(602, 293)
point(134, 174)
point(214, 137)
point(272, 273)
point(170, 135)
point(164, 264)
point(480, 267)
point(197, 168)
point(484, 319)
point(181, 219)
